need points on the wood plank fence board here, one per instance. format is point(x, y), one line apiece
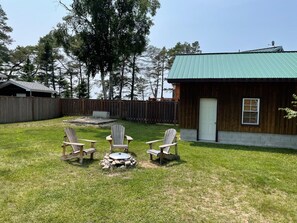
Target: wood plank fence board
point(23, 109)
point(140, 111)
point(18, 109)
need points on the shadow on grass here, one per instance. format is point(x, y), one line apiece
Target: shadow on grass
point(86, 162)
point(132, 154)
point(167, 163)
point(243, 148)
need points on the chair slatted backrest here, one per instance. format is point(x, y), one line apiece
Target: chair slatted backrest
point(118, 134)
point(169, 137)
point(71, 135)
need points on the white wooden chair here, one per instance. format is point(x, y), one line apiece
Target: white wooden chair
point(164, 149)
point(78, 150)
point(117, 137)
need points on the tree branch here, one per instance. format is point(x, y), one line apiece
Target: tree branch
point(65, 6)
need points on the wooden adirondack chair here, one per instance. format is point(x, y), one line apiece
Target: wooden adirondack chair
point(164, 149)
point(78, 150)
point(116, 139)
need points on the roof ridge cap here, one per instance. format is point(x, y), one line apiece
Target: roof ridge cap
point(243, 52)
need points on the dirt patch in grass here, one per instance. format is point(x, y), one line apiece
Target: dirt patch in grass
point(147, 164)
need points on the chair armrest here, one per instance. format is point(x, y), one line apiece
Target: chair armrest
point(150, 142)
point(129, 138)
point(88, 140)
point(74, 143)
point(167, 145)
point(108, 138)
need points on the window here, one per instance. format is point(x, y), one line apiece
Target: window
point(250, 111)
point(20, 95)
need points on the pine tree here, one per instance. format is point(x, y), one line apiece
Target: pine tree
point(107, 30)
point(5, 38)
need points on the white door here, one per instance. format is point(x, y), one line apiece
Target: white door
point(208, 119)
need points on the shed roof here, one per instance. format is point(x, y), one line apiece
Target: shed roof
point(234, 66)
point(28, 86)
point(267, 50)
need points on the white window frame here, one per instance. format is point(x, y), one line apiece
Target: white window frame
point(257, 111)
point(21, 95)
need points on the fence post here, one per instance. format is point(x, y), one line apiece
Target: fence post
point(145, 118)
point(83, 106)
point(143, 111)
point(120, 102)
point(175, 113)
point(33, 108)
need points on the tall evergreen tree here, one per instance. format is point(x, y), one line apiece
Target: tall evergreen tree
point(109, 29)
point(182, 48)
point(18, 60)
point(28, 71)
point(82, 89)
point(74, 50)
point(154, 69)
point(5, 38)
point(45, 60)
point(48, 55)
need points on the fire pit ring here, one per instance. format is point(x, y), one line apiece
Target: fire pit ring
point(120, 156)
point(118, 160)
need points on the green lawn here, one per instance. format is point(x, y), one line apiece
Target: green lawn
point(211, 182)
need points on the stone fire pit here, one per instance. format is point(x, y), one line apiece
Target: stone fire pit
point(118, 160)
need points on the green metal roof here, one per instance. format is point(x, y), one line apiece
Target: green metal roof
point(201, 67)
point(267, 50)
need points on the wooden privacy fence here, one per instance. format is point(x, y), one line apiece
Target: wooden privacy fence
point(18, 109)
point(141, 111)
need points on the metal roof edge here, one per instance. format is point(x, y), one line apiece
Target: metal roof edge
point(267, 49)
point(19, 85)
point(199, 80)
point(243, 52)
point(11, 81)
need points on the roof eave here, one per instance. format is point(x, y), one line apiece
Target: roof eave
point(26, 88)
point(177, 80)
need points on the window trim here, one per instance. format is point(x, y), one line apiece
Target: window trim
point(243, 111)
point(21, 95)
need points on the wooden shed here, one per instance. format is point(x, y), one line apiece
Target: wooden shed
point(235, 98)
point(25, 89)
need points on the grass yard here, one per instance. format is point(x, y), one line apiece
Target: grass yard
point(211, 182)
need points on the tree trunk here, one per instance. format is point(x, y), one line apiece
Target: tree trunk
point(102, 75)
point(110, 95)
point(71, 84)
point(88, 96)
point(133, 76)
point(122, 80)
point(156, 89)
point(162, 79)
point(60, 78)
point(46, 76)
point(53, 76)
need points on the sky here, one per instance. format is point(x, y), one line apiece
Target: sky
point(218, 25)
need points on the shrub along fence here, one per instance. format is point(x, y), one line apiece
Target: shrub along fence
point(18, 109)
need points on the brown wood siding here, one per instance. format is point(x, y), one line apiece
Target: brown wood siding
point(229, 95)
